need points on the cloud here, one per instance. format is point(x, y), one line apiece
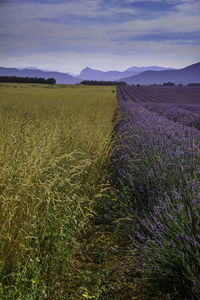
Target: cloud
point(52, 9)
point(93, 28)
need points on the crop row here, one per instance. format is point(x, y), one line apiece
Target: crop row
point(160, 94)
point(168, 106)
point(156, 165)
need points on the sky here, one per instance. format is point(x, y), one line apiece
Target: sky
point(70, 35)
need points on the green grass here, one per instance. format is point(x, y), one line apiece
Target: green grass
point(53, 153)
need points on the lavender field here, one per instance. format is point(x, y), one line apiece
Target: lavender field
point(155, 175)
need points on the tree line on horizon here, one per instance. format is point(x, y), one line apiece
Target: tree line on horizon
point(95, 82)
point(15, 79)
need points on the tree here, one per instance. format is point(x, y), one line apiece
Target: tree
point(169, 83)
point(14, 79)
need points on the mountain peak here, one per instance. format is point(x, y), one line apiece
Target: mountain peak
point(87, 68)
point(87, 72)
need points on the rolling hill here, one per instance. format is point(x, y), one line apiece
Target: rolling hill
point(60, 77)
point(184, 76)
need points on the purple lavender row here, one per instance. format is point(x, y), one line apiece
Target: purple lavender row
point(156, 165)
point(189, 115)
point(144, 138)
point(163, 94)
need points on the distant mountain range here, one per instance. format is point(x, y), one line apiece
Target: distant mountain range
point(183, 76)
point(92, 74)
point(69, 78)
point(133, 75)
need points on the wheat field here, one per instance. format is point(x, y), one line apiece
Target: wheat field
point(54, 145)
